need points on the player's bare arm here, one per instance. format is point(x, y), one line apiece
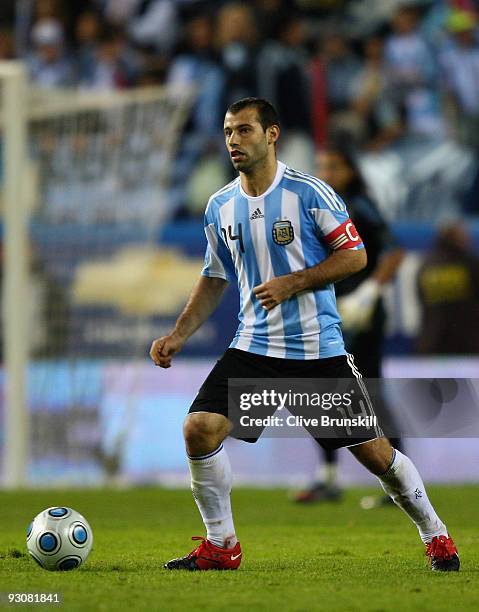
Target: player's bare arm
point(203, 300)
point(387, 266)
point(340, 264)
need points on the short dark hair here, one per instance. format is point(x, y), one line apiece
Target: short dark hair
point(350, 157)
point(267, 114)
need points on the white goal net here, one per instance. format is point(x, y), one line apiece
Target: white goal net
point(85, 192)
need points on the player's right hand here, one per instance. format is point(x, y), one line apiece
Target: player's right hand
point(162, 349)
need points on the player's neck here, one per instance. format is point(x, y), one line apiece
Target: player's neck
point(260, 178)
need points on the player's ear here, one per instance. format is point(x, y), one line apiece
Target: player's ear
point(273, 134)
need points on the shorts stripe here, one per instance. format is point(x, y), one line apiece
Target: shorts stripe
point(350, 359)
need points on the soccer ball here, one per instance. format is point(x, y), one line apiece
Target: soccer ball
point(59, 538)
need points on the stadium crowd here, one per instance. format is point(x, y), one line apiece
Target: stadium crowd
point(388, 77)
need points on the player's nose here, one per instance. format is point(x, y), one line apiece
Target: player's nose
point(232, 141)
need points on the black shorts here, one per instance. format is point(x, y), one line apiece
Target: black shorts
point(213, 394)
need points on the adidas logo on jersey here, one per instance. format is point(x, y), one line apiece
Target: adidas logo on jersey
point(257, 215)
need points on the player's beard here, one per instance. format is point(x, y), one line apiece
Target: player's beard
point(253, 162)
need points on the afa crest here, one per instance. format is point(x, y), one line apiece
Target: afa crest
point(283, 232)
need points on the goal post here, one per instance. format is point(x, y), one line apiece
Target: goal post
point(13, 129)
point(85, 191)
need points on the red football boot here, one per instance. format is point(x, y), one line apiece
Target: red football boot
point(442, 553)
point(207, 556)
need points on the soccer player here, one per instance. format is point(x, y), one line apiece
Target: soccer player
point(359, 300)
point(286, 237)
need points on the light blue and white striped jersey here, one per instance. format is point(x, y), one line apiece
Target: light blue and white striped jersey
point(292, 226)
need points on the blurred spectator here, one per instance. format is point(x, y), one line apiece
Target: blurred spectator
point(284, 81)
point(48, 64)
point(29, 12)
point(409, 59)
point(364, 17)
point(269, 15)
point(155, 24)
point(460, 64)
point(282, 75)
point(150, 23)
point(413, 74)
point(342, 65)
point(153, 70)
point(379, 117)
point(7, 51)
point(237, 39)
point(88, 32)
point(49, 9)
point(380, 93)
point(197, 66)
point(113, 65)
point(448, 285)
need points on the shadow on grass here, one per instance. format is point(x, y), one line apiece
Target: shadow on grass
point(12, 553)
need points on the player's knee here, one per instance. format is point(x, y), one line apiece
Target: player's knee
point(375, 455)
point(204, 431)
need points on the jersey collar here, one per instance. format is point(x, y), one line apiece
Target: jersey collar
point(277, 179)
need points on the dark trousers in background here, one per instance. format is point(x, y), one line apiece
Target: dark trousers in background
point(366, 348)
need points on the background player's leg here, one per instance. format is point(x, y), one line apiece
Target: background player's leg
point(211, 477)
point(401, 481)
point(367, 348)
point(327, 473)
point(324, 486)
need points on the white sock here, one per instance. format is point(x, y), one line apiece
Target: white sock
point(326, 473)
point(404, 485)
point(211, 481)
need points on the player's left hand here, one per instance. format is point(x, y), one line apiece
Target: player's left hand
point(277, 290)
point(356, 309)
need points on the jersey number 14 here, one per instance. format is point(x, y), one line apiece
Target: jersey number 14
point(231, 236)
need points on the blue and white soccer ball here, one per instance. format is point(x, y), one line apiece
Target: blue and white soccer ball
point(59, 538)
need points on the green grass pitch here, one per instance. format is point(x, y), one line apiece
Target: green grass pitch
point(322, 557)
